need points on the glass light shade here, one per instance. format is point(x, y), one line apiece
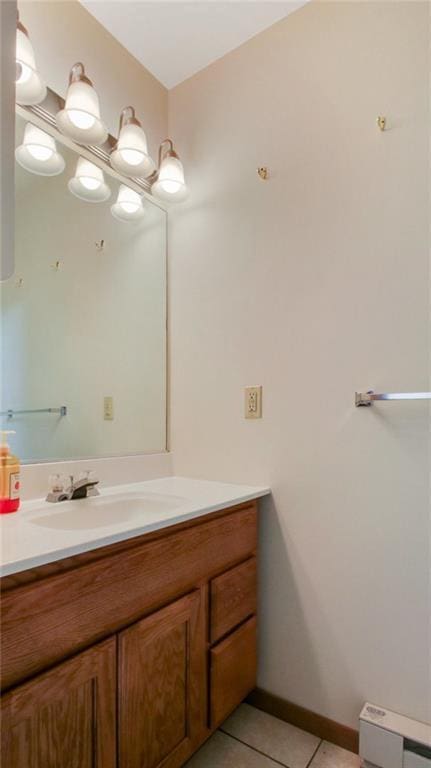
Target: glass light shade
point(130, 156)
point(80, 118)
point(30, 88)
point(88, 182)
point(170, 185)
point(38, 153)
point(128, 206)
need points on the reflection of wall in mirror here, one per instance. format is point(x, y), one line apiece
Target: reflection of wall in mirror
point(84, 323)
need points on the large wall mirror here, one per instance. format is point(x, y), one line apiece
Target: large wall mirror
point(83, 322)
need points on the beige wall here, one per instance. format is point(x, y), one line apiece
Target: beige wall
point(314, 284)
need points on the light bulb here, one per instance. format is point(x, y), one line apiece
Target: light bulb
point(88, 182)
point(24, 73)
point(38, 152)
point(129, 206)
point(130, 155)
point(81, 119)
point(170, 185)
point(30, 88)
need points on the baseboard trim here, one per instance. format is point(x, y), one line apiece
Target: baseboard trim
point(320, 726)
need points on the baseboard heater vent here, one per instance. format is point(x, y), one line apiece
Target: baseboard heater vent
point(388, 740)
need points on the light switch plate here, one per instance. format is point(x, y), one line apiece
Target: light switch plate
point(108, 408)
point(253, 402)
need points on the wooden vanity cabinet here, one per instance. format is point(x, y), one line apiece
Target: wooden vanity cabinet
point(131, 655)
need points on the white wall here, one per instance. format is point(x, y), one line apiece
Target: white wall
point(315, 284)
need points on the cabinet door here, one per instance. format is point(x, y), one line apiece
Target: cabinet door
point(162, 686)
point(64, 718)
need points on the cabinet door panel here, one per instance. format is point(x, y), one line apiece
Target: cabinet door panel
point(64, 718)
point(161, 686)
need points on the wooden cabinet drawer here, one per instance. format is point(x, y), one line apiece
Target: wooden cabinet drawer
point(233, 598)
point(232, 671)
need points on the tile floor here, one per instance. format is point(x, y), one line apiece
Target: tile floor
point(250, 738)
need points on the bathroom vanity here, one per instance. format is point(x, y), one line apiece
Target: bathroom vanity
point(130, 654)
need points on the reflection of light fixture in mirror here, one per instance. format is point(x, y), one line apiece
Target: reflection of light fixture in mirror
point(80, 118)
point(128, 206)
point(30, 88)
point(88, 182)
point(130, 155)
point(38, 153)
point(169, 184)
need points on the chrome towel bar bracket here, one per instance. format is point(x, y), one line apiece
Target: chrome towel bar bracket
point(367, 398)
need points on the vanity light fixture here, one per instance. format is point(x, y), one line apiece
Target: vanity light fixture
point(130, 155)
point(38, 153)
point(80, 118)
point(129, 206)
point(88, 182)
point(169, 182)
point(30, 88)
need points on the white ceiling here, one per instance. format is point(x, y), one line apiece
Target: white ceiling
point(174, 40)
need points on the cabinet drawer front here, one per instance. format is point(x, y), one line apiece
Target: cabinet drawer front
point(233, 598)
point(44, 622)
point(232, 671)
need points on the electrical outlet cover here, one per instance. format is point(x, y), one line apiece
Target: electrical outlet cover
point(253, 402)
point(108, 408)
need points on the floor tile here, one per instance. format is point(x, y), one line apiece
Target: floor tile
point(222, 751)
point(275, 738)
point(330, 756)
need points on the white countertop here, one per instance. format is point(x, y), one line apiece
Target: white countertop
point(28, 540)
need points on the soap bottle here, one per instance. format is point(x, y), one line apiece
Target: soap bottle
point(9, 477)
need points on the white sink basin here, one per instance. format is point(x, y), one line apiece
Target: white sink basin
point(103, 511)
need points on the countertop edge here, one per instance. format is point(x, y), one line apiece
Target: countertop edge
point(25, 564)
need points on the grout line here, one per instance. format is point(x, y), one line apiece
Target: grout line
point(309, 765)
point(259, 752)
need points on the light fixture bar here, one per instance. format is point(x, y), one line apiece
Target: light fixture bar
point(46, 118)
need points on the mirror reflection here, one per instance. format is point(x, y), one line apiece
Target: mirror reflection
point(83, 319)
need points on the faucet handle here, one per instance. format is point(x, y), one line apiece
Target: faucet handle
point(56, 483)
point(88, 476)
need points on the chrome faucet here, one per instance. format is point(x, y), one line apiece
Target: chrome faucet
point(67, 488)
